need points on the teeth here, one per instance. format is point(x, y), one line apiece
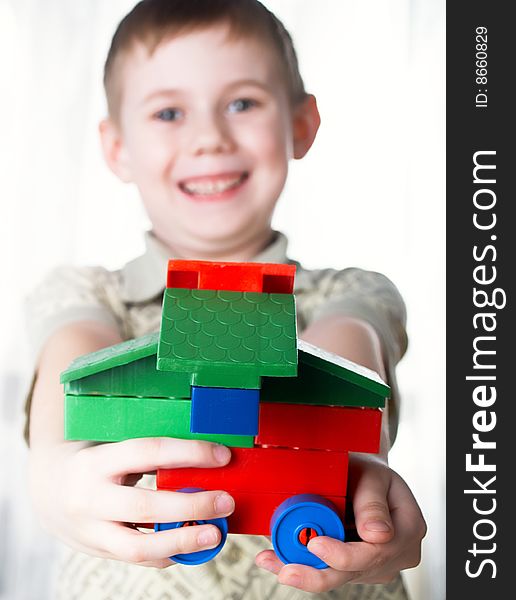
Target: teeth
point(211, 187)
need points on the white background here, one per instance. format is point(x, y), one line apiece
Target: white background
point(369, 194)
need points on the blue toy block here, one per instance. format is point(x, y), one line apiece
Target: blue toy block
point(224, 410)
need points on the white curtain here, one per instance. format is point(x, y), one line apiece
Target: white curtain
point(371, 191)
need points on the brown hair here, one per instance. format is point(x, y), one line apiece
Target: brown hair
point(151, 22)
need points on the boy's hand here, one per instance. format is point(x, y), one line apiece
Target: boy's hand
point(389, 522)
point(84, 496)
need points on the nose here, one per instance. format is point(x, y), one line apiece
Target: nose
point(211, 136)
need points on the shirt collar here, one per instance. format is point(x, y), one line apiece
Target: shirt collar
point(145, 277)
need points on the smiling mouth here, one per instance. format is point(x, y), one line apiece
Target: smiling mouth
point(212, 185)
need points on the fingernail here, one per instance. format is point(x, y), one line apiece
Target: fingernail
point(294, 580)
point(224, 504)
point(221, 453)
point(380, 526)
point(209, 537)
point(318, 548)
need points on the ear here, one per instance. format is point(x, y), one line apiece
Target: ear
point(306, 122)
point(113, 148)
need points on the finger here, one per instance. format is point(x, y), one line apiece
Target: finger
point(139, 505)
point(142, 455)
point(313, 580)
point(135, 547)
point(158, 564)
point(349, 556)
point(405, 510)
point(410, 527)
point(372, 514)
point(268, 560)
point(300, 576)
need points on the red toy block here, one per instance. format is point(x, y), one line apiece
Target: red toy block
point(344, 429)
point(230, 276)
point(267, 470)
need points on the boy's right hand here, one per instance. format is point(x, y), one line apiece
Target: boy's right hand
point(85, 495)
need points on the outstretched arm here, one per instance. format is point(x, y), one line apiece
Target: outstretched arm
point(387, 516)
point(83, 493)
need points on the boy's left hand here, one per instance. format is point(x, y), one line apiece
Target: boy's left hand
point(388, 520)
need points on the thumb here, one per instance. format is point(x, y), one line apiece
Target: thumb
point(372, 514)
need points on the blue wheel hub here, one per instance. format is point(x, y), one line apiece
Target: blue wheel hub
point(299, 519)
point(202, 556)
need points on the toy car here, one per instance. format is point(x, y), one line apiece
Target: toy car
point(226, 366)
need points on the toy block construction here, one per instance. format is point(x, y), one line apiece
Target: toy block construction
point(226, 366)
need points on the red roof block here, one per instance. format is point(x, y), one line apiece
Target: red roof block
point(231, 276)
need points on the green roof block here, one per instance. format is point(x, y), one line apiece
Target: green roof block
point(313, 386)
point(342, 368)
point(113, 419)
point(228, 339)
point(113, 356)
point(139, 378)
point(325, 378)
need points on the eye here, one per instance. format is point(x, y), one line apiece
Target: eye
point(168, 114)
point(241, 105)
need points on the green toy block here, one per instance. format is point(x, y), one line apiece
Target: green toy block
point(228, 339)
point(139, 378)
point(328, 379)
point(313, 386)
point(113, 356)
point(342, 368)
point(114, 418)
point(228, 377)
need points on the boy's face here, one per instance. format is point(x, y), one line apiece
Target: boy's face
point(206, 132)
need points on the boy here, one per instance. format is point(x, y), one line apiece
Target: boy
point(206, 109)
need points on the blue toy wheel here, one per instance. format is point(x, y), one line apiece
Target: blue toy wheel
point(202, 556)
point(296, 521)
